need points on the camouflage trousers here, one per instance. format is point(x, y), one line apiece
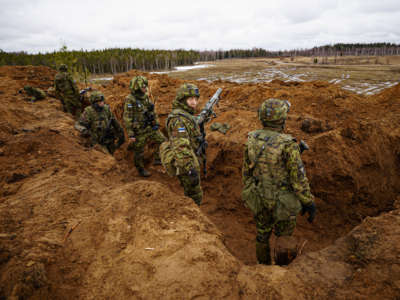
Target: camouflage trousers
point(72, 106)
point(266, 223)
point(191, 187)
point(141, 141)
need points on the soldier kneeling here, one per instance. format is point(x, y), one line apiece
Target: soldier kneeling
point(100, 124)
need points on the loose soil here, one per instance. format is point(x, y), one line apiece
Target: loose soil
point(76, 223)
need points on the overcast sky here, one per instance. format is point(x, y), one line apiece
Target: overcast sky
point(46, 25)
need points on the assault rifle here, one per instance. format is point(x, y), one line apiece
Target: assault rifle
point(149, 116)
point(108, 132)
point(205, 116)
point(83, 92)
point(303, 146)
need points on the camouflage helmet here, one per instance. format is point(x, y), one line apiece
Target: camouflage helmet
point(187, 90)
point(273, 111)
point(96, 96)
point(138, 82)
point(63, 68)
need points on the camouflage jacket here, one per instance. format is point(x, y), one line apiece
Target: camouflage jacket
point(36, 93)
point(274, 159)
point(139, 115)
point(102, 126)
point(65, 86)
point(184, 136)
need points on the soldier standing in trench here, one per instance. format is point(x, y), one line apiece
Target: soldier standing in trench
point(276, 188)
point(185, 138)
point(141, 123)
point(67, 91)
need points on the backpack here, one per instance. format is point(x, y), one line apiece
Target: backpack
point(267, 187)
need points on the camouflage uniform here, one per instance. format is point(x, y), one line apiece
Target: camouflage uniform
point(96, 119)
point(185, 136)
point(67, 91)
point(273, 159)
point(141, 123)
point(35, 93)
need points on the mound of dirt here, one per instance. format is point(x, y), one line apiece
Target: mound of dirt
point(77, 223)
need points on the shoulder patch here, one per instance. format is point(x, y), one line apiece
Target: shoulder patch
point(181, 129)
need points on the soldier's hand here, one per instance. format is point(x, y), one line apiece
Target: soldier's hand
point(311, 210)
point(132, 139)
point(194, 177)
point(121, 140)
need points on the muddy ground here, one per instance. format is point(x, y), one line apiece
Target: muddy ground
point(76, 223)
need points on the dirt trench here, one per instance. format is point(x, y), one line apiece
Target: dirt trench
point(142, 239)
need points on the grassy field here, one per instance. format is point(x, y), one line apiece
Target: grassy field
point(363, 75)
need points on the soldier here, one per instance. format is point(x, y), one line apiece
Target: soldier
point(98, 122)
point(141, 123)
point(67, 91)
point(184, 140)
point(275, 184)
point(35, 93)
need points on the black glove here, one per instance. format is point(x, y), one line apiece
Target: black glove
point(155, 127)
point(194, 177)
point(121, 140)
point(151, 106)
point(311, 210)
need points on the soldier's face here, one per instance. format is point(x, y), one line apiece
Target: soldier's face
point(192, 102)
point(144, 89)
point(101, 103)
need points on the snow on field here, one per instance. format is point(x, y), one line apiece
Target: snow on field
point(102, 79)
point(270, 74)
point(183, 68)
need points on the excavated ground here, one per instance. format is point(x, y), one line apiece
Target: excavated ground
point(131, 238)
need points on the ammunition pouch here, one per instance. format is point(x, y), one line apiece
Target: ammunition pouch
point(149, 119)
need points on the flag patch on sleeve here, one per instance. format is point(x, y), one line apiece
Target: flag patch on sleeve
point(181, 129)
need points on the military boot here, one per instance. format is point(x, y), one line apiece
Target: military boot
point(285, 250)
point(144, 173)
point(263, 253)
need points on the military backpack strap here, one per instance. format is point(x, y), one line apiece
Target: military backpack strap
point(265, 140)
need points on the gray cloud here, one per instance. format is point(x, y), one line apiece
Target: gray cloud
point(45, 25)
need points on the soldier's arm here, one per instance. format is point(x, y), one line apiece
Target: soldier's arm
point(297, 173)
point(117, 127)
point(246, 164)
point(85, 120)
point(72, 84)
point(180, 142)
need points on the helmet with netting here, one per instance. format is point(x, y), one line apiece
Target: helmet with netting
point(187, 90)
point(138, 82)
point(96, 97)
point(63, 68)
point(273, 111)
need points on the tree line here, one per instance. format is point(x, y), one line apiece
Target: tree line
point(118, 60)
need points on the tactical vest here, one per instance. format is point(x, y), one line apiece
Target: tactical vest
point(194, 130)
point(270, 185)
point(141, 113)
point(265, 149)
point(99, 122)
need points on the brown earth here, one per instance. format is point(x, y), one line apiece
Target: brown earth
point(131, 238)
